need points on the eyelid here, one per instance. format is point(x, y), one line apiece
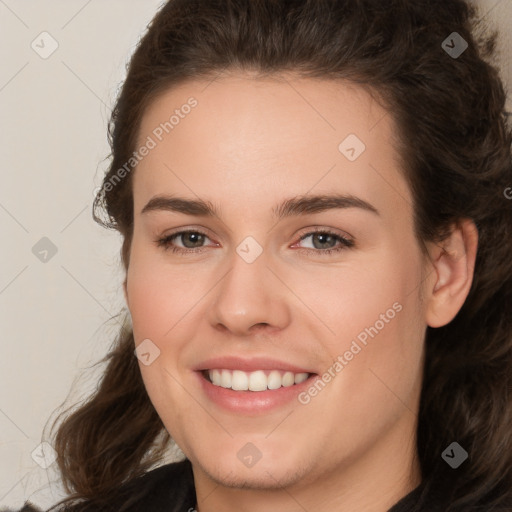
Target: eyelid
point(320, 229)
point(182, 231)
point(303, 232)
point(344, 242)
point(186, 229)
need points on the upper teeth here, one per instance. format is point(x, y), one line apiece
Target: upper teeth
point(255, 381)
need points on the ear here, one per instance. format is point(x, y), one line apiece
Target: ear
point(450, 280)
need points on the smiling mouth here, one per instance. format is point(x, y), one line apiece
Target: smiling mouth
point(259, 380)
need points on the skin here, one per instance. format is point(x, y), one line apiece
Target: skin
point(250, 144)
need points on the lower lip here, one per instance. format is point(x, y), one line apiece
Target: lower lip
point(252, 402)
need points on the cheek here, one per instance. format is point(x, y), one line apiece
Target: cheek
point(159, 295)
point(376, 317)
point(363, 302)
point(159, 300)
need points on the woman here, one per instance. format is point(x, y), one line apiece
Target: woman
point(317, 239)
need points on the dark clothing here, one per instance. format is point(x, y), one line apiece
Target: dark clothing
point(170, 488)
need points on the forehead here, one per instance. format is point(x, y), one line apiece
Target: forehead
point(261, 108)
point(257, 138)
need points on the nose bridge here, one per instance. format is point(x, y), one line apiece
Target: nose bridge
point(249, 293)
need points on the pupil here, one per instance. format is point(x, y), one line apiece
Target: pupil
point(198, 240)
point(322, 237)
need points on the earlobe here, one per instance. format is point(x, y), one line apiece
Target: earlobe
point(453, 263)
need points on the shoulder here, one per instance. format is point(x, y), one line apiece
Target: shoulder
point(436, 496)
point(168, 488)
point(170, 473)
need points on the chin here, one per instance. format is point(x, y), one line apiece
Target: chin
point(272, 478)
point(269, 472)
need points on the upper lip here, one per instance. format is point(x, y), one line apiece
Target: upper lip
point(249, 364)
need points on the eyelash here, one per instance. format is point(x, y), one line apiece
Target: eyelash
point(166, 241)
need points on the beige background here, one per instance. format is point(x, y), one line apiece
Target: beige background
point(55, 316)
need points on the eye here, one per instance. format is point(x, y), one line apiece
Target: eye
point(324, 241)
point(191, 240)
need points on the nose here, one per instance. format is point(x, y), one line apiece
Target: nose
point(250, 298)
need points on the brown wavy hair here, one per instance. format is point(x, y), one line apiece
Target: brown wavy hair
point(456, 155)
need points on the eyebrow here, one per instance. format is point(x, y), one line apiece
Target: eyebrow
point(300, 205)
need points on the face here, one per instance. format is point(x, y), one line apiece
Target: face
point(305, 267)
